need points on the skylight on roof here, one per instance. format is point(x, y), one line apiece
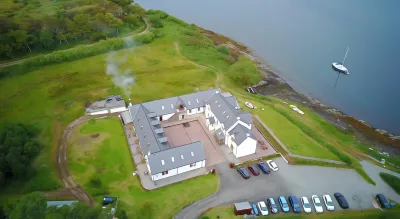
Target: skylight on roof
point(189, 102)
point(219, 105)
point(162, 162)
point(172, 105)
point(192, 154)
point(173, 159)
point(182, 156)
point(162, 107)
point(216, 101)
point(197, 100)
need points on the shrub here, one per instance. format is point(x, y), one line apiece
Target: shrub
point(160, 14)
point(95, 181)
point(244, 72)
point(64, 56)
point(223, 49)
point(392, 181)
point(176, 20)
point(156, 21)
point(158, 33)
point(145, 38)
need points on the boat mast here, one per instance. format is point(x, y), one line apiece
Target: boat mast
point(345, 55)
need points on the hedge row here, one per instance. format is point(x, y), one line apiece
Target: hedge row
point(392, 181)
point(343, 157)
point(64, 56)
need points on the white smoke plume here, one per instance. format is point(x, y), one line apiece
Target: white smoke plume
point(122, 78)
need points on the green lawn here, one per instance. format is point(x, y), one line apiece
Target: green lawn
point(392, 181)
point(227, 213)
point(109, 158)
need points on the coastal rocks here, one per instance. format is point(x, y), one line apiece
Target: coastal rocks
point(381, 131)
point(395, 138)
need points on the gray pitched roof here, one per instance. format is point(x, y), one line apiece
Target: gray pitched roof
point(126, 117)
point(240, 134)
point(156, 160)
point(198, 99)
point(245, 117)
point(232, 101)
point(133, 110)
point(222, 110)
point(162, 106)
point(145, 131)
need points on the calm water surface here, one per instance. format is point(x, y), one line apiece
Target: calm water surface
point(302, 38)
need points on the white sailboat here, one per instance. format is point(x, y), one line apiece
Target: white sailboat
point(340, 66)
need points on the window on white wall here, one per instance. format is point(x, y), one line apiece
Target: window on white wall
point(192, 164)
point(165, 172)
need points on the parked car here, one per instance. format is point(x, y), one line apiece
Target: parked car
point(306, 205)
point(295, 204)
point(243, 172)
point(383, 202)
point(317, 204)
point(341, 200)
point(264, 167)
point(255, 209)
point(272, 206)
point(272, 165)
point(254, 170)
point(328, 202)
point(283, 203)
point(263, 208)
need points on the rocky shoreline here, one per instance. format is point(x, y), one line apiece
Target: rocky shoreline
point(273, 85)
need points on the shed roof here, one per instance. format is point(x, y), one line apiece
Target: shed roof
point(60, 203)
point(162, 160)
point(126, 117)
point(242, 206)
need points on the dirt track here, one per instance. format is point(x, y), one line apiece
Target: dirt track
point(62, 161)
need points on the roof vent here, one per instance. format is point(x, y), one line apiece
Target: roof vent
point(238, 118)
point(248, 134)
point(227, 117)
point(219, 105)
point(224, 112)
point(162, 107)
point(141, 127)
point(189, 102)
point(197, 100)
point(173, 159)
point(138, 119)
point(182, 156)
point(216, 101)
point(192, 154)
point(162, 162)
point(172, 105)
point(148, 144)
point(145, 135)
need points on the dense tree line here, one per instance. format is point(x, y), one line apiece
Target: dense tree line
point(34, 206)
point(73, 20)
point(17, 149)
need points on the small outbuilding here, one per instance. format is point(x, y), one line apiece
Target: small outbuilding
point(242, 208)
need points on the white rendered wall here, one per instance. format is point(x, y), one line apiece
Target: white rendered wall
point(99, 112)
point(119, 109)
point(187, 168)
point(247, 147)
point(159, 176)
point(166, 117)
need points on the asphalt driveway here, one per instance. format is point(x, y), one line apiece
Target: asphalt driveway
point(294, 180)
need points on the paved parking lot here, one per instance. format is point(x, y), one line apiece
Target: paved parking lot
point(294, 180)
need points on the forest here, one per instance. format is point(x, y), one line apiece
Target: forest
point(35, 26)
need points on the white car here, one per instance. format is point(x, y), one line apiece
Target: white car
point(306, 205)
point(263, 208)
point(272, 165)
point(328, 203)
point(317, 204)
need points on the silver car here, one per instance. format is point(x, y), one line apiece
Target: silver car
point(306, 204)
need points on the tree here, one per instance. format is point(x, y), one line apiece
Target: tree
point(21, 37)
point(5, 50)
point(112, 21)
point(135, 9)
point(46, 38)
point(82, 22)
point(132, 19)
point(122, 215)
point(31, 206)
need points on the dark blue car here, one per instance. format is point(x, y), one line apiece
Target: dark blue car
point(243, 172)
point(264, 167)
point(295, 204)
point(383, 202)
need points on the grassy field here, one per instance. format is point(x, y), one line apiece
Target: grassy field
point(227, 213)
point(108, 157)
point(392, 181)
point(55, 95)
